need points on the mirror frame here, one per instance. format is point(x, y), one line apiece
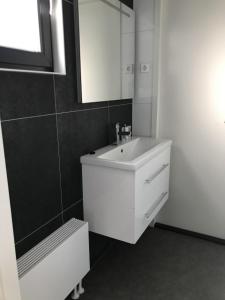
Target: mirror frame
point(77, 51)
point(78, 55)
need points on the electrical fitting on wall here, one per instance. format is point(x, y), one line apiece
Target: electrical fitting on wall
point(128, 69)
point(145, 68)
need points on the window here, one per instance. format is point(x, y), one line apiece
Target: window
point(25, 35)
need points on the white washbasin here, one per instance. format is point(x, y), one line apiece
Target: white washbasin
point(125, 187)
point(129, 155)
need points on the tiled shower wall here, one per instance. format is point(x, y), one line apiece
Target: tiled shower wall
point(45, 132)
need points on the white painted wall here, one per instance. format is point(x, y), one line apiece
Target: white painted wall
point(192, 113)
point(147, 15)
point(9, 284)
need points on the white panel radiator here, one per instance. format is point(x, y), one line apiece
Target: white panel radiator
point(53, 268)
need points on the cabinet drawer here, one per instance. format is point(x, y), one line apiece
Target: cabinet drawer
point(151, 181)
point(143, 219)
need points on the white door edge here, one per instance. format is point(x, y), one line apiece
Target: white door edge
point(9, 282)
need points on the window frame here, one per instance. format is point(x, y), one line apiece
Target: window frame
point(41, 61)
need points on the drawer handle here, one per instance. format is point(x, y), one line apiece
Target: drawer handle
point(149, 180)
point(149, 213)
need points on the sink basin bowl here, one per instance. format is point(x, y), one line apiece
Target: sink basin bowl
point(130, 155)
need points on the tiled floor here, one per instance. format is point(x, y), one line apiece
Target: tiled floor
point(163, 265)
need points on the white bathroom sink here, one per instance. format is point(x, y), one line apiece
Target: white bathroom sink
point(130, 155)
point(125, 186)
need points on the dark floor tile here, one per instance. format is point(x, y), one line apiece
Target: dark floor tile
point(79, 133)
point(162, 265)
point(33, 172)
point(32, 240)
point(23, 95)
point(76, 211)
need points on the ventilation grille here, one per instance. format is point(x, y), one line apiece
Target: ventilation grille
point(48, 245)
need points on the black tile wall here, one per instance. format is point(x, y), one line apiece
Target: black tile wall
point(45, 132)
point(89, 127)
point(74, 211)
point(33, 173)
point(128, 3)
point(65, 86)
point(24, 95)
point(121, 113)
point(37, 236)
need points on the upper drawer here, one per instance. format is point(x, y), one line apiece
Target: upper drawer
point(152, 179)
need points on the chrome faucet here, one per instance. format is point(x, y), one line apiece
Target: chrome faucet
point(123, 132)
point(117, 133)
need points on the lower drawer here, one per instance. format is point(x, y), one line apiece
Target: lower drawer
point(124, 224)
point(143, 219)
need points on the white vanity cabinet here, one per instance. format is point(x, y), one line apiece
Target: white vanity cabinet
point(123, 191)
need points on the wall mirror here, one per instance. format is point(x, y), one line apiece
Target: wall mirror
point(107, 50)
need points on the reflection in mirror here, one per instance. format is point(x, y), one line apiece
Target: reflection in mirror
point(127, 52)
point(106, 50)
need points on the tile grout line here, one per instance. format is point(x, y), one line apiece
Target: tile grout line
point(72, 205)
point(57, 129)
point(59, 158)
point(52, 219)
point(43, 225)
point(29, 117)
point(80, 110)
point(63, 113)
point(116, 105)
